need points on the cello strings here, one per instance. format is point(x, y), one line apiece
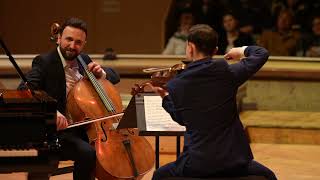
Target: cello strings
point(102, 94)
point(91, 78)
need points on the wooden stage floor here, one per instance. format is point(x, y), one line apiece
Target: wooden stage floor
point(288, 161)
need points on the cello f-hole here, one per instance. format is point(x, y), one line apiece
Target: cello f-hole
point(104, 132)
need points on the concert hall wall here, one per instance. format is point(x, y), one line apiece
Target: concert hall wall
point(124, 25)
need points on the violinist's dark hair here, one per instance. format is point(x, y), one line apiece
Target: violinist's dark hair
point(204, 38)
point(76, 23)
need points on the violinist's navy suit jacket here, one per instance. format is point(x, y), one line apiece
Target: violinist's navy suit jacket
point(48, 74)
point(203, 98)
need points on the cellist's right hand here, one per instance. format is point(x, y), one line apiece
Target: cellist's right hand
point(62, 122)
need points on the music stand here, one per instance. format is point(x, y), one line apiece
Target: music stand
point(137, 116)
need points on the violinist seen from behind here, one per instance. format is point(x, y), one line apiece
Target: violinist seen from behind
point(56, 73)
point(203, 98)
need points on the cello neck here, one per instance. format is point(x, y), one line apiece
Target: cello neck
point(102, 94)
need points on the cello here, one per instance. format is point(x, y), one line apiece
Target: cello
point(120, 153)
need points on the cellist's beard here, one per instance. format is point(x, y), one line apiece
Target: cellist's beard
point(68, 53)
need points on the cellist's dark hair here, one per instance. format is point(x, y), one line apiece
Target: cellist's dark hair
point(204, 38)
point(76, 23)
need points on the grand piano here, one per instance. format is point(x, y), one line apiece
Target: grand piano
point(28, 140)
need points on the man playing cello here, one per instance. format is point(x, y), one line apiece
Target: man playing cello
point(56, 73)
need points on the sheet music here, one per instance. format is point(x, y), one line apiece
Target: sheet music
point(157, 119)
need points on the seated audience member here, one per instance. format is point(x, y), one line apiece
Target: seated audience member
point(301, 10)
point(109, 54)
point(253, 15)
point(209, 12)
point(282, 41)
point(232, 37)
point(177, 43)
point(311, 41)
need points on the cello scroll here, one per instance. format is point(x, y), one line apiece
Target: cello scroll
point(55, 31)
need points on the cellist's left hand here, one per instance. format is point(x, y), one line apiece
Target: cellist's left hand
point(97, 70)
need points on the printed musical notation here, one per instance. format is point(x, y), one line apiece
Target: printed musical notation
point(157, 119)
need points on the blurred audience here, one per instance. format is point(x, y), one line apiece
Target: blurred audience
point(282, 40)
point(177, 43)
point(300, 10)
point(281, 26)
point(311, 41)
point(231, 35)
point(208, 12)
point(253, 15)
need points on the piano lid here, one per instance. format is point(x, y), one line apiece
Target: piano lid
point(24, 101)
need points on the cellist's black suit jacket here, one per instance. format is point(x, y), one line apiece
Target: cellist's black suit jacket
point(48, 74)
point(203, 98)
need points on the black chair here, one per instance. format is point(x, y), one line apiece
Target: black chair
point(63, 170)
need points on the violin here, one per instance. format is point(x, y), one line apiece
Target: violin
point(159, 77)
